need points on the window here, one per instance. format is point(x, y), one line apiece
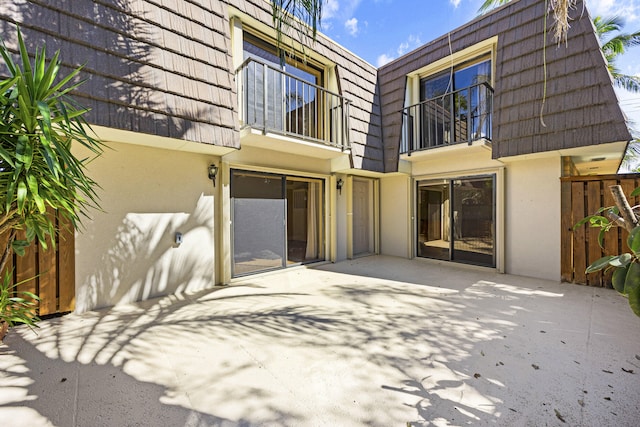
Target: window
point(254, 47)
point(462, 77)
point(293, 90)
point(456, 104)
point(449, 101)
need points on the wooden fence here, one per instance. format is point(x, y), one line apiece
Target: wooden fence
point(583, 196)
point(49, 273)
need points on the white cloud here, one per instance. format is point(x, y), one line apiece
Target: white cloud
point(627, 9)
point(330, 8)
point(352, 26)
point(404, 46)
point(334, 9)
point(455, 3)
point(411, 43)
point(384, 59)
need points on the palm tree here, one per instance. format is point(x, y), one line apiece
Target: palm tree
point(560, 10)
point(614, 46)
point(298, 19)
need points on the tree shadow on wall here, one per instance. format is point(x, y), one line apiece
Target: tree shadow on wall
point(128, 86)
point(142, 260)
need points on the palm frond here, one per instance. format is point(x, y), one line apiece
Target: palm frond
point(630, 83)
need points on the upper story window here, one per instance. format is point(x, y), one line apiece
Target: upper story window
point(463, 76)
point(286, 93)
point(260, 50)
point(453, 105)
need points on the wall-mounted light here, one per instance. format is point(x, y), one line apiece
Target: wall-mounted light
point(213, 172)
point(339, 185)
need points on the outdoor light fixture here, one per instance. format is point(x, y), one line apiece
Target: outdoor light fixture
point(339, 185)
point(213, 171)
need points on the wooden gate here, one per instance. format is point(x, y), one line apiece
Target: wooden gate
point(49, 273)
point(583, 196)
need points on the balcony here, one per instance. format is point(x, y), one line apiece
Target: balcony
point(463, 116)
point(276, 102)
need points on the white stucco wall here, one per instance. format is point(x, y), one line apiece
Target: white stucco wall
point(532, 198)
point(127, 253)
point(395, 216)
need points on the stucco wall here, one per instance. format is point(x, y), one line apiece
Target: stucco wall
point(395, 216)
point(533, 218)
point(127, 253)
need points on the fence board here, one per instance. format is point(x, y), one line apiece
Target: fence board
point(566, 233)
point(627, 187)
point(594, 252)
point(47, 281)
point(46, 268)
point(579, 235)
point(67, 267)
point(581, 197)
point(612, 238)
point(26, 270)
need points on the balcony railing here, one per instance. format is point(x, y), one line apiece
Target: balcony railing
point(275, 101)
point(454, 118)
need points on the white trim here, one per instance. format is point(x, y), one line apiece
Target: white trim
point(481, 48)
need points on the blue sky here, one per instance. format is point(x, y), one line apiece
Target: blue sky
point(382, 30)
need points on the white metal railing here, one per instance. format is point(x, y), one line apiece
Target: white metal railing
point(454, 118)
point(275, 101)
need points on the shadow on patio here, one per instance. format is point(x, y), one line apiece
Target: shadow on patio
point(378, 341)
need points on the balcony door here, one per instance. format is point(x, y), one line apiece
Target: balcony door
point(455, 105)
point(288, 85)
point(456, 220)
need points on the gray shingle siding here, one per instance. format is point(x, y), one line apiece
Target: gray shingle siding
point(165, 68)
point(580, 109)
point(151, 67)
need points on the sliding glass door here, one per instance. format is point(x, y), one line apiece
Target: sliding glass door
point(259, 210)
point(456, 220)
point(277, 221)
point(304, 220)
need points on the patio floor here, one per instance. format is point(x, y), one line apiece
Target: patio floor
point(377, 341)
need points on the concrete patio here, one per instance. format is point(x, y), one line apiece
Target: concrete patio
point(378, 341)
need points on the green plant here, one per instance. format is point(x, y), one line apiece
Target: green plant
point(626, 266)
point(17, 306)
point(39, 124)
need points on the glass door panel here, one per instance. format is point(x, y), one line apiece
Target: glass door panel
point(473, 216)
point(434, 224)
point(304, 220)
point(259, 209)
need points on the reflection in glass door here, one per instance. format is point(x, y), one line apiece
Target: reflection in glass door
point(473, 209)
point(304, 220)
point(258, 222)
point(434, 221)
point(457, 220)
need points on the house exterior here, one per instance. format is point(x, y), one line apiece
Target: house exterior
point(225, 159)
